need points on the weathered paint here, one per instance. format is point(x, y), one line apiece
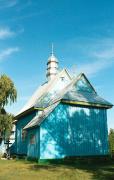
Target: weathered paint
point(83, 84)
point(33, 150)
point(74, 131)
point(21, 146)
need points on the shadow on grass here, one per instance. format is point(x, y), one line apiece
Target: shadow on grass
point(99, 170)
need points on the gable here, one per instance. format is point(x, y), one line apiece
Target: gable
point(81, 92)
point(83, 84)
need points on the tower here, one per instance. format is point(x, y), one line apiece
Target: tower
point(52, 66)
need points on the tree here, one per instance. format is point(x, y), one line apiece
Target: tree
point(7, 91)
point(8, 94)
point(111, 141)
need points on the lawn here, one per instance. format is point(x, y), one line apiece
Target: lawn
point(26, 170)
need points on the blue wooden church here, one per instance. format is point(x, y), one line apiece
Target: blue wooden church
point(64, 117)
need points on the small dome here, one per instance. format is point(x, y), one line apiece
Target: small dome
point(52, 58)
point(52, 66)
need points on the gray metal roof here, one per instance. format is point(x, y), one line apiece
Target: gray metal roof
point(41, 96)
point(82, 96)
point(41, 116)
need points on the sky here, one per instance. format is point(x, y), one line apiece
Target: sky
point(82, 32)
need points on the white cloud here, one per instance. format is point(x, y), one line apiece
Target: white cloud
point(94, 67)
point(94, 55)
point(7, 52)
point(7, 3)
point(6, 33)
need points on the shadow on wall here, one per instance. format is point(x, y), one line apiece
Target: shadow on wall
point(74, 131)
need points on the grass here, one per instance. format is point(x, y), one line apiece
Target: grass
point(26, 170)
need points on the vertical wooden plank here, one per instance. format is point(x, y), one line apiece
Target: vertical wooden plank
point(73, 131)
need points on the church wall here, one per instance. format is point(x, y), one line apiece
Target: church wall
point(21, 142)
point(74, 131)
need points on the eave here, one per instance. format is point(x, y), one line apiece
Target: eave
point(87, 104)
point(28, 111)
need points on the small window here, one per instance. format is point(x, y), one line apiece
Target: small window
point(62, 78)
point(32, 139)
point(24, 135)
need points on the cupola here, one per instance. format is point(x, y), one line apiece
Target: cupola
point(52, 66)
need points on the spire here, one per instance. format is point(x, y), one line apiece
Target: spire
point(52, 52)
point(52, 65)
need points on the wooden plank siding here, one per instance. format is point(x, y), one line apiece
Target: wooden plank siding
point(74, 131)
point(21, 145)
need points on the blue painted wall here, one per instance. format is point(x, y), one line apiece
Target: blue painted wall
point(21, 146)
point(33, 150)
point(74, 131)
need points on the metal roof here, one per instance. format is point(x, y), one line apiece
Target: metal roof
point(40, 97)
point(70, 93)
point(82, 96)
point(41, 116)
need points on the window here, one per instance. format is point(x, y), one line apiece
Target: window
point(24, 135)
point(62, 78)
point(32, 139)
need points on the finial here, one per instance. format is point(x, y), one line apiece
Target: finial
point(52, 49)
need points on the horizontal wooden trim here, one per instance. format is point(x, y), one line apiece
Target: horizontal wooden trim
point(86, 104)
point(39, 108)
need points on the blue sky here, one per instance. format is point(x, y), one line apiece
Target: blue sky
point(83, 35)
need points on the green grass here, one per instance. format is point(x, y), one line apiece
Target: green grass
point(26, 170)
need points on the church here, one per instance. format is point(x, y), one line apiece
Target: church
point(65, 117)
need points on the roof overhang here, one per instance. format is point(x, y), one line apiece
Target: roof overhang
point(28, 111)
point(86, 104)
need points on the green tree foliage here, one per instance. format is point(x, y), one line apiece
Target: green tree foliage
point(8, 94)
point(111, 141)
point(7, 91)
